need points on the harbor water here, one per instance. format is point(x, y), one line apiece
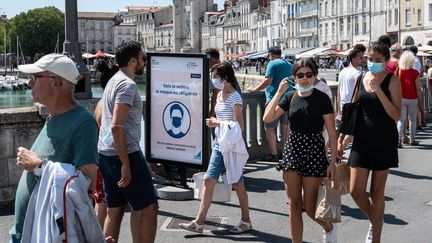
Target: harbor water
point(22, 98)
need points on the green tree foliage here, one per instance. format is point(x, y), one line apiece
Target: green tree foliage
point(37, 30)
point(2, 27)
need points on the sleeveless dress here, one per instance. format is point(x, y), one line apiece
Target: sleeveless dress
point(375, 143)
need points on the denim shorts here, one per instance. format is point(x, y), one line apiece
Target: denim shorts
point(216, 165)
point(140, 192)
point(283, 121)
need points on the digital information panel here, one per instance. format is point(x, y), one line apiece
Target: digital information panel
point(177, 104)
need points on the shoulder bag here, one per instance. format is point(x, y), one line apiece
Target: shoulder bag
point(350, 112)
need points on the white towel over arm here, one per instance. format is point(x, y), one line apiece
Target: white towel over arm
point(233, 149)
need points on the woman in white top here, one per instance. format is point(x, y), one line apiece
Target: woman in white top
point(228, 108)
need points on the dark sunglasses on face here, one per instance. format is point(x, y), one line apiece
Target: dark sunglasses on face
point(301, 75)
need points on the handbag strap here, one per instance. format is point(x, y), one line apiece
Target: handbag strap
point(292, 98)
point(357, 85)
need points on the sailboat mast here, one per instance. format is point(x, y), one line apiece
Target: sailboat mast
point(10, 51)
point(5, 59)
point(57, 48)
point(18, 59)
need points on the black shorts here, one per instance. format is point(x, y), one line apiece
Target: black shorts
point(140, 192)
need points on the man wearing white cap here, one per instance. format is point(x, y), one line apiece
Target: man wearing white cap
point(69, 135)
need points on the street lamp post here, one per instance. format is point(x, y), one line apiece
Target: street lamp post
point(72, 48)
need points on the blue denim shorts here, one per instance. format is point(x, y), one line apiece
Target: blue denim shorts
point(283, 121)
point(140, 192)
point(216, 165)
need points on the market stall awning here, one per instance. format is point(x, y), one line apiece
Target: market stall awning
point(101, 54)
point(235, 55)
point(423, 54)
point(256, 55)
point(313, 53)
point(293, 51)
point(335, 52)
point(87, 55)
point(425, 48)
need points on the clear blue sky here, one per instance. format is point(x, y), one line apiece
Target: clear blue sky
point(13, 7)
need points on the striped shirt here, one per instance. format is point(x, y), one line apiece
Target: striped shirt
point(225, 110)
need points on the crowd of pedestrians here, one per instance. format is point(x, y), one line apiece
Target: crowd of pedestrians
point(299, 100)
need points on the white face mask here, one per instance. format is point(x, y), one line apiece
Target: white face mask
point(218, 84)
point(303, 90)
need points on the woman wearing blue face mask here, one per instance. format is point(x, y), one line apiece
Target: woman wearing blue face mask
point(228, 108)
point(304, 163)
point(374, 147)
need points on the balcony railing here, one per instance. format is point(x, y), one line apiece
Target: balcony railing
point(307, 14)
point(306, 32)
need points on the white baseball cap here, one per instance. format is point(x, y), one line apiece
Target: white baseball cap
point(55, 63)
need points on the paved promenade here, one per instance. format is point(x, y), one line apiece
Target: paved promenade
point(407, 217)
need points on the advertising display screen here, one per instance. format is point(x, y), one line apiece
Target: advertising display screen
point(177, 105)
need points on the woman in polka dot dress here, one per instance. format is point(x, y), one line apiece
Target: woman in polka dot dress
point(304, 162)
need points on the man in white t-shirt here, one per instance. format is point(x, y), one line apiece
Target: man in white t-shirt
point(417, 63)
point(347, 81)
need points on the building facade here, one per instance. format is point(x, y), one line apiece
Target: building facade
point(147, 21)
point(212, 30)
point(414, 30)
point(264, 25)
point(344, 24)
point(308, 24)
point(3, 18)
point(378, 14)
point(246, 26)
point(393, 19)
point(96, 31)
point(233, 44)
point(427, 22)
point(164, 38)
point(124, 32)
point(292, 24)
point(276, 28)
point(247, 14)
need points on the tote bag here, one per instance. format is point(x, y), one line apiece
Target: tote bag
point(221, 192)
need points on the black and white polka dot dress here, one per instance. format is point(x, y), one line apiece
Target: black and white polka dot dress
point(304, 152)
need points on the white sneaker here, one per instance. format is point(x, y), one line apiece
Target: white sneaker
point(331, 236)
point(369, 235)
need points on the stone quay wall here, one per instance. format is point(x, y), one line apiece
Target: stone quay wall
point(19, 127)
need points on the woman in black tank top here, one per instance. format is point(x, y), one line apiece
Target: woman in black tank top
point(374, 146)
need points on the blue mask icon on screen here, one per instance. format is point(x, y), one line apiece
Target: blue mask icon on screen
point(176, 114)
point(176, 121)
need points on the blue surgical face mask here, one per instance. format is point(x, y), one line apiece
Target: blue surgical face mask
point(218, 84)
point(176, 121)
point(303, 90)
point(375, 67)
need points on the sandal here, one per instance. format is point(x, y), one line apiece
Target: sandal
point(192, 226)
point(238, 229)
